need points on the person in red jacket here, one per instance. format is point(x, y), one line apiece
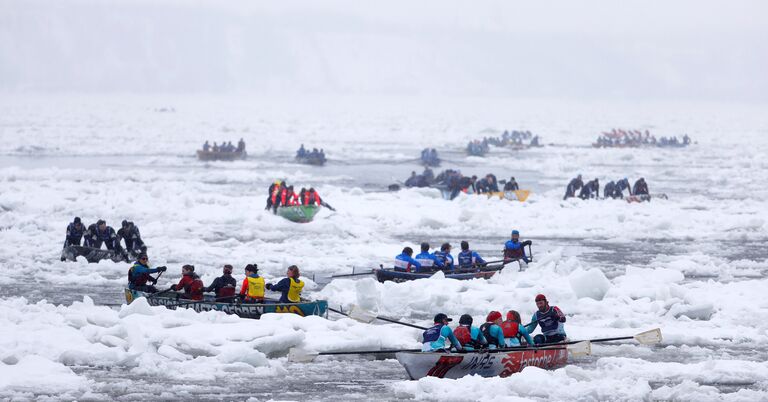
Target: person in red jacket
point(312, 197)
point(190, 283)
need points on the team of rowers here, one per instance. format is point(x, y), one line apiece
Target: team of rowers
point(496, 333)
point(425, 261)
point(191, 287)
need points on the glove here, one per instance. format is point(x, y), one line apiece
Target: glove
point(173, 287)
point(269, 286)
point(153, 281)
point(162, 269)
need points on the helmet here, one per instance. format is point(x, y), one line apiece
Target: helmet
point(465, 319)
point(540, 297)
point(77, 219)
point(515, 232)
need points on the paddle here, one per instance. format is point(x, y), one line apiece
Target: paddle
point(202, 301)
point(358, 314)
point(348, 275)
point(650, 337)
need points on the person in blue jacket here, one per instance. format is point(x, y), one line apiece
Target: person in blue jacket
point(405, 262)
point(492, 330)
point(435, 336)
point(471, 338)
point(444, 255)
point(468, 258)
point(428, 261)
point(139, 275)
point(514, 249)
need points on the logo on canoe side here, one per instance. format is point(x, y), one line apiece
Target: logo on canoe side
point(444, 363)
point(516, 361)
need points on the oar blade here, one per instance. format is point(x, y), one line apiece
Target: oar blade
point(360, 314)
point(298, 355)
point(583, 348)
point(651, 337)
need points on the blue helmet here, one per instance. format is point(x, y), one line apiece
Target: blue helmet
point(515, 232)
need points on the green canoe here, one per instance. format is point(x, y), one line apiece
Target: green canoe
point(299, 213)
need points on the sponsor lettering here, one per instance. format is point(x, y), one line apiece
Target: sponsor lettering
point(479, 362)
point(516, 361)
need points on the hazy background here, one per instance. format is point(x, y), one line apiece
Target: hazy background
point(702, 50)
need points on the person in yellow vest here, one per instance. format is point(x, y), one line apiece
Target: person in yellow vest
point(252, 290)
point(290, 286)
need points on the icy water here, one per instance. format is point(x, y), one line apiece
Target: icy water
point(692, 265)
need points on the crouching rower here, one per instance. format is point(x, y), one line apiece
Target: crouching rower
point(514, 331)
point(434, 337)
point(405, 262)
point(471, 338)
point(291, 286)
point(139, 275)
point(551, 320)
point(224, 286)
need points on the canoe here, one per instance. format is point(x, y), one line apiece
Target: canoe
point(517, 195)
point(92, 255)
point(299, 213)
point(389, 274)
point(486, 364)
point(311, 160)
point(243, 310)
point(645, 197)
point(220, 156)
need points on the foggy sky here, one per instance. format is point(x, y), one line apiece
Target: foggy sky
point(587, 49)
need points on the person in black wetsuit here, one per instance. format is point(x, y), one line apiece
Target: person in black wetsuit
point(573, 186)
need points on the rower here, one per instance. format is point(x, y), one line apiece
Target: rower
point(444, 255)
point(492, 330)
point(428, 261)
point(470, 337)
point(291, 286)
point(513, 330)
point(468, 258)
point(434, 337)
point(190, 283)
point(574, 185)
point(514, 249)
point(252, 290)
point(404, 262)
point(138, 275)
point(551, 320)
point(223, 286)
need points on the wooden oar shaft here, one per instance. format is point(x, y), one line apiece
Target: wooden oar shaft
point(355, 274)
point(401, 323)
point(367, 352)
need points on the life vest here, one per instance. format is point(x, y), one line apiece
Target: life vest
point(513, 250)
point(486, 330)
point(195, 289)
point(294, 292)
point(312, 198)
point(510, 328)
point(137, 280)
point(275, 192)
point(466, 259)
point(283, 195)
point(256, 287)
point(433, 333)
point(548, 320)
point(402, 265)
point(228, 290)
